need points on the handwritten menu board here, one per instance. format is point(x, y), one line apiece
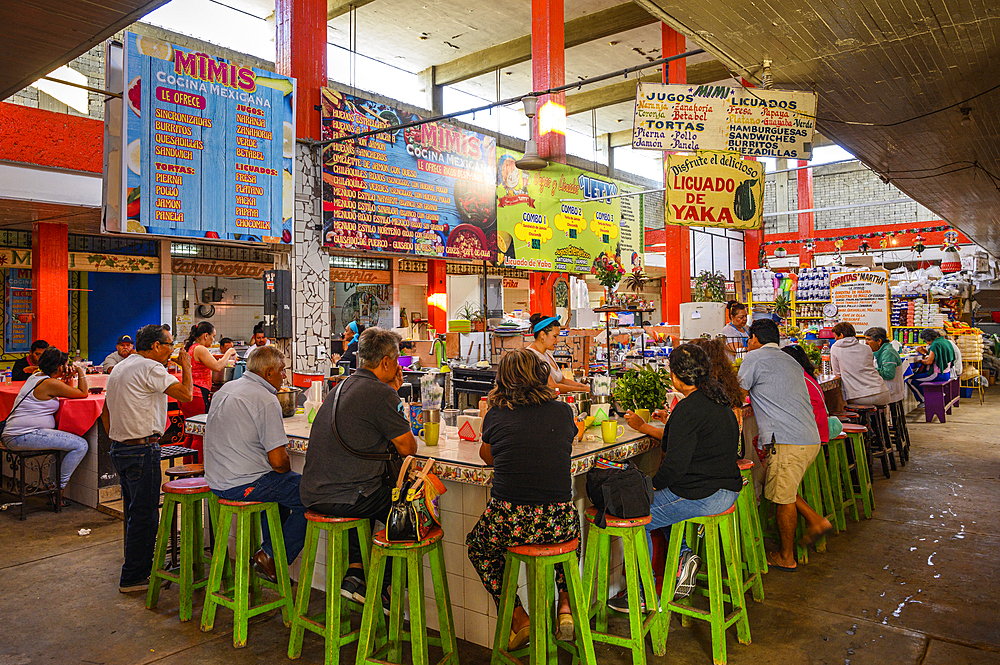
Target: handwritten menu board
point(17, 300)
point(862, 298)
point(426, 190)
point(543, 225)
point(208, 146)
point(764, 123)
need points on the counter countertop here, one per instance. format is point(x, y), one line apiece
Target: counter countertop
point(459, 460)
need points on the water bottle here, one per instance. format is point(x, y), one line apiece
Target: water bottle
point(825, 361)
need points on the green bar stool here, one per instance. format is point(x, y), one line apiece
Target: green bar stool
point(541, 561)
point(407, 573)
point(823, 468)
point(638, 567)
point(245, 600)
point(186, 494)
point(840, 481)
point(810, 491)
point(752, 555)
point(861, 485)
point(720, 542)
point(333, 624)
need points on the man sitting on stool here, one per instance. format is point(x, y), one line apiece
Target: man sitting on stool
point(245, 454)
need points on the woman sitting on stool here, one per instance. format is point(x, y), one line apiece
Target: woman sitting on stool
point(854, 362)
point(527, 438)
point(937, 363)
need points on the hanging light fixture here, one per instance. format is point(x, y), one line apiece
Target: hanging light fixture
point(531, 161)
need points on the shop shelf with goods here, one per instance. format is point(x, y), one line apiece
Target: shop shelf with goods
point(607, 312)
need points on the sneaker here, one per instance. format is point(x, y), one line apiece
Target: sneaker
point(353, 587)
point(140, 586)
point(687, 576)
point(619, 603)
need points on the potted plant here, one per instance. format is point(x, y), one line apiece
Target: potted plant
point(636, 280)
point(641, 389)
point(782, 305)
point(473, 314)
point(780, 252)
point(609, 272)
point(709, 287)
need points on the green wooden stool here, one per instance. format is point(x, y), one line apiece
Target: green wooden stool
point(721, 527)
point(748, 517)
point(333, 624)
point(861, 485)
point(823, 468)
point(187, 494)
point(407, 564)
point(541, 561)
point(840, 481)
point(638, 567)
point(750, 540)
point(809, 490)
point(245, 600)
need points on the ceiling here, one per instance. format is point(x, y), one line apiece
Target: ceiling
point(21, 215)
point(39, 37)
point(877, 66)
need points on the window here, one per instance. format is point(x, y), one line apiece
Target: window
point(716, 250)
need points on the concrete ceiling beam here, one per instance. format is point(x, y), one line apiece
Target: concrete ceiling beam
point(699, 73)
point(582, 30)
point(335, 8)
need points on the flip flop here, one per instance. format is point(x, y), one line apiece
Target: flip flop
point(808, 538)
point(787, 569)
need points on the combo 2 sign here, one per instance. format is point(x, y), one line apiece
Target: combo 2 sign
point(714, 189)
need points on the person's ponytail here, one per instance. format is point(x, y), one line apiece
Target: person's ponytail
point(712, 389)
point(196, 332)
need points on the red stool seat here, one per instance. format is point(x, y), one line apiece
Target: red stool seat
point(859, 407)
point(619, 522)
point(432, 537)
point(185, 471)
point(745, 464)
point(732, 509)
point(185, 486)
point(329, 519)
point(851, 428)
point(238, 504)
point(553, 549)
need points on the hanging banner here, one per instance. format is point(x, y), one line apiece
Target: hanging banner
point(711, 188)
point(862, 298)
point(18, 310)
point(208, 147)
point(764, 123)
point(537, 229)
point(426, 190)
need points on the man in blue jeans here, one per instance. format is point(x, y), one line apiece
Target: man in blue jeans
point(135, 417)
point(246, 457)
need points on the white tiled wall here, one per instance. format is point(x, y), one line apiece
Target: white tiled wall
point(242, 305)
point(414, 299)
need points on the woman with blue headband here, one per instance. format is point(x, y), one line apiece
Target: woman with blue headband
point(351, 334)
point(546, 332)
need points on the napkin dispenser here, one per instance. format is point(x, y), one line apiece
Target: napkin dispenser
point(469, 428)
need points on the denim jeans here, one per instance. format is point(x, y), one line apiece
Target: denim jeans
point(138, 468)
point(283, 489)
point(52, 439)
point(916, 382)
point(375, 507)
point(668, 508)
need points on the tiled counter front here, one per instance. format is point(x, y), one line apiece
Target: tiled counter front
point(467, 480)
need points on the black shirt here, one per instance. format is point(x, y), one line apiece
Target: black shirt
point(369, 415)
point(701, 442)
point(531, 448)
point(21, 370)
point(351, 354)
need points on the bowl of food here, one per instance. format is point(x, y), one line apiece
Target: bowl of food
point(467, 241)
point(288, 398)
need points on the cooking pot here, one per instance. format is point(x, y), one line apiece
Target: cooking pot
point(288, 398)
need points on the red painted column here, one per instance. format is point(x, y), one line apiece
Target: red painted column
point(805, 201)
point(676, 285)
point(301, 52)
point(50, 279)
point(548, 70)
point(437, 295)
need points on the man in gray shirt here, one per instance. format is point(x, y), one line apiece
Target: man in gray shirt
point(245, 454)
point(785, 418)
point(370, 418)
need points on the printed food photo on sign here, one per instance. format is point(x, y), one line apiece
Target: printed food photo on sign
point(209, 146)
point(563, 218)
point(714, 188)
point(425, 190)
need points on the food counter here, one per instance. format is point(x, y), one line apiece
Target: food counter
point(467, 479)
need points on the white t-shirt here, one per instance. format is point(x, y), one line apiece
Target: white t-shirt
point(137, 398)
point(253, 349)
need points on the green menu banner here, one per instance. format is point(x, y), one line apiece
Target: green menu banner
point(562, 218)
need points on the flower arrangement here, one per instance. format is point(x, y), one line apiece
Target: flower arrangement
point(709, 287)
point(608, 270)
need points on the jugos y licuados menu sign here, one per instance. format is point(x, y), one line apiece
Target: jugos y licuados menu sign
point(425, 190)
point(209, 146)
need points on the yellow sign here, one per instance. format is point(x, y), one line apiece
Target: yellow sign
point(85, 262)
point(710, 188)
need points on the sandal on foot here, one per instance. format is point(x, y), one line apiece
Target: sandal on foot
point(519, 639)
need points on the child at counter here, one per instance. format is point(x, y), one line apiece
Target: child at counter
point(528, 439)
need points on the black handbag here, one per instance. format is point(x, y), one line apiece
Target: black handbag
point(391, 457)
point(413, 512)
point(619, 490)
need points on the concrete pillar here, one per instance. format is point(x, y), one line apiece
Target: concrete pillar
point(50, 281)
point(437, 295)
point(548, 70)
point(805, 202)
point(676, 285)
point(300, 27)
point(433, 93)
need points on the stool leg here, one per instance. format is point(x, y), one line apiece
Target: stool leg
point(584, 639)
point(160, 553)
point(826, 491)
point(633, 588)
point(336, 567)
point(730, 543)
point(373, 611)
point(540, 612)
point(281, 562)
point(862, 472)
point(198, 555)
point(501, 639)
point(669, 583)
point(255, 539)
point(186, 570)
point(649, 589)
point(301, 609)
point(418, 622)
point(744, 516)
point(716, 610)
point(244, 577)
point(834, 486)
point(845, 483)
point(219, 555)
point(442, 597)
point(590, 568)
point(396, 609)
point(603, 562)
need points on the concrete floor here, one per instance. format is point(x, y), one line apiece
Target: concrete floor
point(916, 584)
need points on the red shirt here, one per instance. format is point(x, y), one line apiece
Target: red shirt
point(819, 407)
point(201, 374)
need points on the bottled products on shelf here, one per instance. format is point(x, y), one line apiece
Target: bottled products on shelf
point(814, 284)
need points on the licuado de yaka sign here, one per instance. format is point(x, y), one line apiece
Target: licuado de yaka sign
point(714, 188)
